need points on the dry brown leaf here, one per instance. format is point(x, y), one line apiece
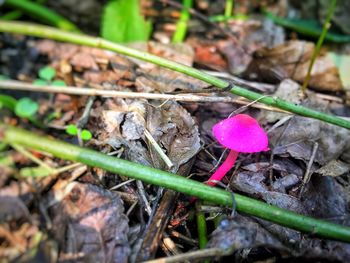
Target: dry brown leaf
point(90, 224)
point(174, 129)
point(291, 60)
point(123, 122)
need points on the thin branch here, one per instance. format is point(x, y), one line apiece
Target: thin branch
point(18, 85)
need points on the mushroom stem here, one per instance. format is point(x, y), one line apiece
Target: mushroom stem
point(223, 168)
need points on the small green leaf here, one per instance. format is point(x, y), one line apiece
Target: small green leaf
point(8, 102)
point(39, 171)
point(122, 21)
point(72, 129)
point(86, 135)
point(58, 83)
point(40, 82)
point(26, 108)
point(47, 73)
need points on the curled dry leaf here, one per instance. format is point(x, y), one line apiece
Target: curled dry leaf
point(123, 123)
point(90, 224)
point(291, 60)
point(174, 128)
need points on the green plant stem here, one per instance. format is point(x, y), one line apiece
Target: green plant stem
point(325, 28)
point(44, 14)
point(229, 7)
point(181, 25)
point(175, 182)
point(201, 227)
point(52, 33)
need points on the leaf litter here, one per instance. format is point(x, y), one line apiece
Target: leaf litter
point(88, 221)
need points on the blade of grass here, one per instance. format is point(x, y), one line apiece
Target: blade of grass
point(175, 182)
point(181, 25)
point(229, 7)
point(325, 28)
point(44, 14)
point(59, 35)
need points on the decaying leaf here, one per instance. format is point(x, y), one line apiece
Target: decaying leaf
point(123, 123)
point(334, 168)
point(90, 224)
point(291, 60)
point(174, 128)
point(242, 232)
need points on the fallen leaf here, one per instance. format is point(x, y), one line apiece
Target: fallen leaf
point(291, 60)
point(90, 224)
point(334, 168)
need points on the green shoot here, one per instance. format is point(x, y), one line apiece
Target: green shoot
point(181, 25)
point(229, 7)
point(326, 26)
point(72, 129)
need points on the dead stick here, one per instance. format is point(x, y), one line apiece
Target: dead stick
point(18, 85)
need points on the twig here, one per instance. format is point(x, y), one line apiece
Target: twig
point(175, 182)
point(196, 255)
point(142, 193)
point(158, 149)
point(18, 85)
point(307, 174)
point(52, 33)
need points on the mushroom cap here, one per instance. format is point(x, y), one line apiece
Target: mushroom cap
point(241, 133)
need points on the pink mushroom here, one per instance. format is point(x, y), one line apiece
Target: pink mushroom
point(240, 133)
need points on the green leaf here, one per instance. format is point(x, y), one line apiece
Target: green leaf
point(26, 108)
point(86, 135)
point(58, 83)
point(8, 102)
point(72, 129)
point(47, 73)
point(307, 27)
point(342, 61)
point(40, 82)
point(123, 22)
point(3, 77)
point(39, 171)
point(6, 160)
